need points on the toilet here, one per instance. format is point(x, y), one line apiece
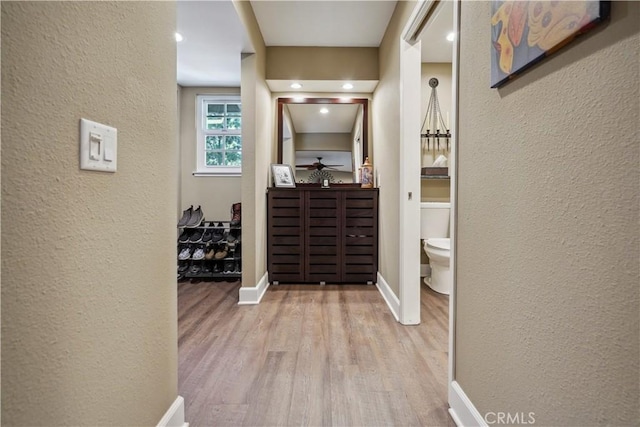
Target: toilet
point(434, 230)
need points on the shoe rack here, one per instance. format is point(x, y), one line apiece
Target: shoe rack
point(209, 250)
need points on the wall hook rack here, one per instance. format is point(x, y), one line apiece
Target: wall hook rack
point(433, 126)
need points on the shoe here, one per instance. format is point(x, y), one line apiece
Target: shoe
point(184, 237)
point(209, 255)
point(229, 266)
point(216, 267)
point(222, 252)
point(206, 269)
point(218, 233)
point(198, 254)
point(207, 235)
point(235, 214)
point(196, 218)
point(186, 216)
point(238, 266)
point(234, 235)
point(195, 269)
point(196, 236)
point(184, 254)
point(183, 267)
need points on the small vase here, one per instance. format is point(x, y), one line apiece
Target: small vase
point(366, 174)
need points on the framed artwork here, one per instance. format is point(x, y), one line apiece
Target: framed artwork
point(282, 176)
point(525, 32)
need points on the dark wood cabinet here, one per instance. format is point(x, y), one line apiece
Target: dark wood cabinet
point(319, 235)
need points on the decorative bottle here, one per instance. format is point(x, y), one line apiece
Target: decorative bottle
point(366, 174)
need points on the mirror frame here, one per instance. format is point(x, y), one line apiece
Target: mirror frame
point(307, 100)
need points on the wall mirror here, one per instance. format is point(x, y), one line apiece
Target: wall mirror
point(323, 137)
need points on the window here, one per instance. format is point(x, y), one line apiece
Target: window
point(219, 135)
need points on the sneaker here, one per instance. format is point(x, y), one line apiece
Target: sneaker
point(207, 235)
point(184, 254)
point(216, 267)
point(196, 218)
point(209, 255)
point(238, 266)
point(229, 266)
point(184, 237)
point(183, 267)
point(234, 235)
point(198, 254)
point(206, 269)
point(195, 269)
point(186, 216)
point(218, 233)
point(196, 236)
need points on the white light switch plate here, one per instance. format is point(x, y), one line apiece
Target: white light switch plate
point(98, 146)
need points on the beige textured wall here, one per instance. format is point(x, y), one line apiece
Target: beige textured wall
point(386, 131)
point(548, 238)
point(258, 150)
point(435, 190)
point(215, 194)
point(322, 63)
point(88, 266)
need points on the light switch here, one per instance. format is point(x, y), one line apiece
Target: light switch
point(98, 146)
point(108, 151)
point(94, 146)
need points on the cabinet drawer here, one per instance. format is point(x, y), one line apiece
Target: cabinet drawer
point(285, 268)
point(358, 240)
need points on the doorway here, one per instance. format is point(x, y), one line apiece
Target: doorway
point(423, 16)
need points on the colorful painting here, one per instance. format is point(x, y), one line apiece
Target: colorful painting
point(525, 32)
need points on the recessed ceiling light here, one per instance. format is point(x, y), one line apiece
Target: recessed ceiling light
point(179, 37)
point(324, 110)
point(347, 86)
point(451, 36)
point(296, 85)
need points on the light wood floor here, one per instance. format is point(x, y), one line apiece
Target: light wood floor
point(310, 355)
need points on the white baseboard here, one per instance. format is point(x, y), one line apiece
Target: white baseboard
point(391, 299)
point(461, 409)
point(253, 295)
point(174, 417)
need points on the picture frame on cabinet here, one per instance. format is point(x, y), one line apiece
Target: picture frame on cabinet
point(282, 176)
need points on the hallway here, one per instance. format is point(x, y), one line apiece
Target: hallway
point(310, 355)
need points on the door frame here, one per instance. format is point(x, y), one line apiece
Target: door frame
point(410, 78)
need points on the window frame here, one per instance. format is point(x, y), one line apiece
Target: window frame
point(202, 169)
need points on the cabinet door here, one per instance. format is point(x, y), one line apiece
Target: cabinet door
point(322, 236)
point(285, 236)
point(360, 231)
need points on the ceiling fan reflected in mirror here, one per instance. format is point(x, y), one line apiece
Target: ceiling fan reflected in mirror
point(317, 165)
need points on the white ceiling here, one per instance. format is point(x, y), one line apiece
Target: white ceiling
point(435, 46)
point(323, 23)
point(307, 118)
point(214, 37)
